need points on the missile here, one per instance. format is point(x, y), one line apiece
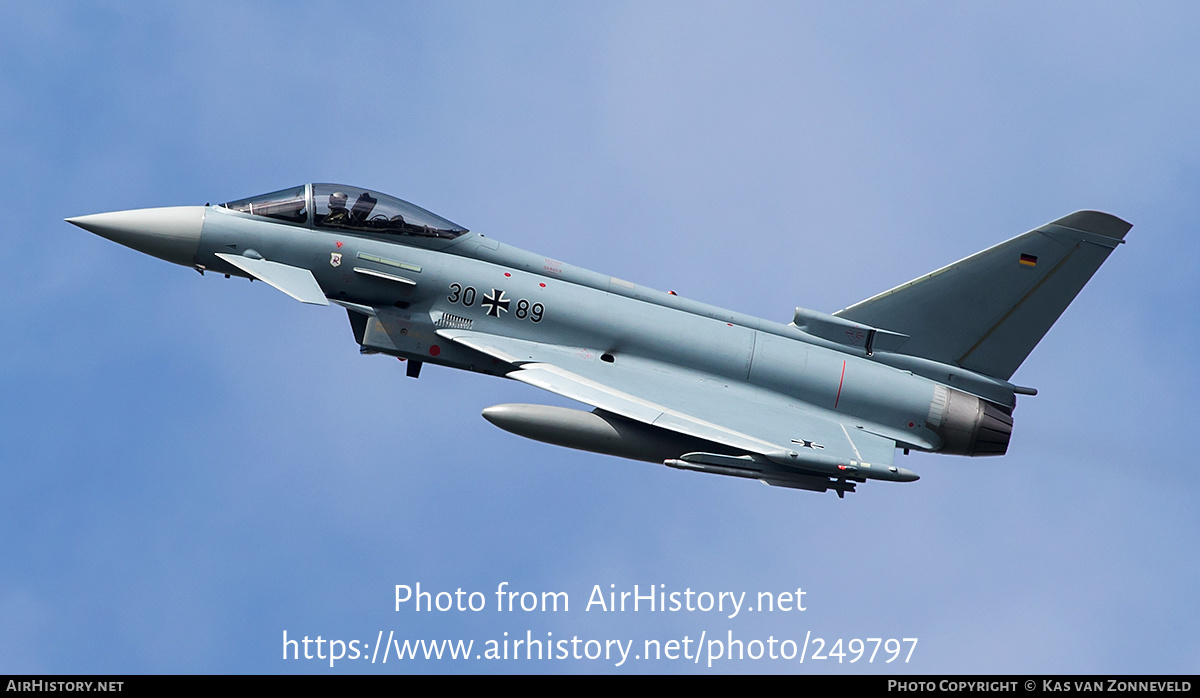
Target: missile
point(757, 470)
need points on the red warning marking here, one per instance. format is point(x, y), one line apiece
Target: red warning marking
point(339, 244)
point(435, 350)
point(840, 381)
point(507, 274)
point(542, 285)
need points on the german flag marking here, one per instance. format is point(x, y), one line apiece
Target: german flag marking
point(1029, 260)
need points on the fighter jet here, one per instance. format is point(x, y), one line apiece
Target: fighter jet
point(819, 404)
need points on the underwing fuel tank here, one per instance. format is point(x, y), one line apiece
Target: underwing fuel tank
point(597, 431)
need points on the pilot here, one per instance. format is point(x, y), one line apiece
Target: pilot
point(338, 213)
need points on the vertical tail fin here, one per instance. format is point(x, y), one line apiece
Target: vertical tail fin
point(987, 312)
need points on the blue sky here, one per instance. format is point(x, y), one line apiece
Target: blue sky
point(190, 466)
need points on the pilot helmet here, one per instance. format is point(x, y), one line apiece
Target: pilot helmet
point(338, 200)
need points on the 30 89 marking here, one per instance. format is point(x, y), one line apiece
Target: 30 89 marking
point(495, 303)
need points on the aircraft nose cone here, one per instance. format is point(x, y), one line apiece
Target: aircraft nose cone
point(171, 233)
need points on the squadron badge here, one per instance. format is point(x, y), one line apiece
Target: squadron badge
point(335, 259)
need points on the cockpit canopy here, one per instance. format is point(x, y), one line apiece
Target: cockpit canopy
point(348, 208)
point(289, 205)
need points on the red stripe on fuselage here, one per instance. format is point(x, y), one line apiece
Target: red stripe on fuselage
point(840, 381)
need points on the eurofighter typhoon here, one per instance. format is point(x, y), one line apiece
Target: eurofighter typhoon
point(819, 404)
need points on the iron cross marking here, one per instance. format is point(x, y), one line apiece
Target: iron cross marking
point(496, 302)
